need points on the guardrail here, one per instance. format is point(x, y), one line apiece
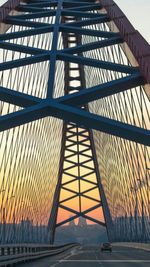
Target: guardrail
point(144, 246)
point(13, 254)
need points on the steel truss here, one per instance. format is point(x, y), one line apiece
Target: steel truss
point(78, 167)
point(71, 19)
point(64, 107)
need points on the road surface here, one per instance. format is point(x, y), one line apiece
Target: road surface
point(90, 256)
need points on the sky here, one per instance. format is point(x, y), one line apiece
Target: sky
point(138, 13)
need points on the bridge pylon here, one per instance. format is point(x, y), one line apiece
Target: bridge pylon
point(79, 190)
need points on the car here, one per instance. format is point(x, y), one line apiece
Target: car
point(106, 247)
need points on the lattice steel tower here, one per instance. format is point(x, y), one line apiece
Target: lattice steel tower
point(79, 178)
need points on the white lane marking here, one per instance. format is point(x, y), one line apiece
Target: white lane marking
point(99, 261)
point(72, 253)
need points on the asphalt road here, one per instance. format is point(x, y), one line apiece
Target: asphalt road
point(90, 256)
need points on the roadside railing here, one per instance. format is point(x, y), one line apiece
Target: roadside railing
point(13, 254)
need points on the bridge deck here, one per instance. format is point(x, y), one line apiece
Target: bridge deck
point(91, 256)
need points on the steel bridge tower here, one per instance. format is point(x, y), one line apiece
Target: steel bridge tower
point(83, 63)
point(78, 165)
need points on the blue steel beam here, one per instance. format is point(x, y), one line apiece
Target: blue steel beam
point(90, 198)
point(22, 48)
point(82, 3)
point(76, 3)
point(42, 14)
point(26, 8)
point(82, 212)
point(21, 117)
point(25, 33)
point(43, 4)
point(97, 63)
point(24, 61)
point(91, 188)
point(82, 7)
point(103, 90)
point(21, 22)
point(79, 14)
point(79, 116)
point(68, 189)
point(17, 98)
point(83, 179)
point(88, 32)
point(72, 4)
point(77, 216)
point(67, 220)
point(94, 220)
point(87, 22)
point(69, 198)
point(93, 45)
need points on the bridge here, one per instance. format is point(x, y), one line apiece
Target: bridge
point(74, 135)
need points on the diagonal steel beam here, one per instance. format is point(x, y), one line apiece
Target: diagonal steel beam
point(76, 216)
point(68, 198)
point(88, 181)
point(18, 98)
point(83, 7)
point(80, 117)
point(42, 4)
point(94, 45)
point(26, 23)
point(97, 63)
point(22, 48)
point(82, 212)
point(88, 32)
point(67, 220)
point(94, 220)
point(79, 14)
point(80, 98)
point(103, 90)
point(26, 8)
point(88, 22)
point(90, 189)
point(69, 209)
point(25, 33)
point(24, 61)
point(70, 181)
point(91, 198)
point(42, 14)
point(21, 117)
